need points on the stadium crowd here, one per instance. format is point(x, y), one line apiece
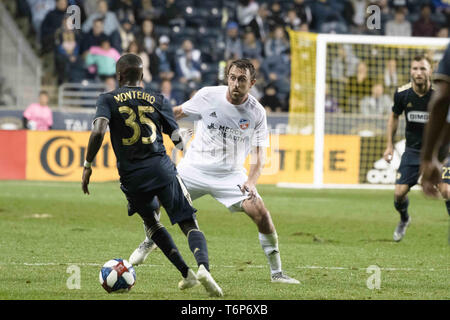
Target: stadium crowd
point(186, 44)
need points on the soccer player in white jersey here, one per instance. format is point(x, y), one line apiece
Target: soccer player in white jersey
point(231, 123)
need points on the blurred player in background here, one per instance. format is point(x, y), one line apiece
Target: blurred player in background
point(437, 132)
point(411, 99)
point(231, 123)
point(136, 119)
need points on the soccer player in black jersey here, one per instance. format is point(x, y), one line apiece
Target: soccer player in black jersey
point(137, 119)
point(437, 130)
point(411, 99)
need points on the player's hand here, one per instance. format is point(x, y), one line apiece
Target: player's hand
point(388, 153)
point(85, 181)
point(250, 188)
point(431, 177)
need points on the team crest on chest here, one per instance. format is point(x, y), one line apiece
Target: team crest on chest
point(244, 123)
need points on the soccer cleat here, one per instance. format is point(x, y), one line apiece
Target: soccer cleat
point(140, 254)
point(281, 277)
point(189, 282)
point(208, 282)
point(400, 231)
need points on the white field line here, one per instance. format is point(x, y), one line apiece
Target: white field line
point(87, 264)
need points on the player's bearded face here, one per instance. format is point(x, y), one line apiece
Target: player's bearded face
point(420, 72)
point(239, 83)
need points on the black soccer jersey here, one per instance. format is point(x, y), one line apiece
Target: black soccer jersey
point(443, 70)
point(415, 109)
point(137, 119)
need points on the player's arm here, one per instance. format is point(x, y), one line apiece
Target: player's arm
point(94, 144)
point(434, 137)
point(178, 113)
point(391, 131)
point(438, 107)
point(392, 127)
point(257, 160)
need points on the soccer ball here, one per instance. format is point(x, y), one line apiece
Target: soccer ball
point(117, 275)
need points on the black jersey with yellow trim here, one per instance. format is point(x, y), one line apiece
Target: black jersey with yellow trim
point(137, 119)
point(415, 108)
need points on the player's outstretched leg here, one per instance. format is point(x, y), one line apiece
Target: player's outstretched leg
point(268, 238)
point(401, 203)
point(198, 246)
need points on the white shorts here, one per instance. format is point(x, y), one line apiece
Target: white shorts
point(223, 187)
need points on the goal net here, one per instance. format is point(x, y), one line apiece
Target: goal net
point(342, 89)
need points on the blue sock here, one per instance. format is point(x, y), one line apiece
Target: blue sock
point(402, 208)
point(164, 241)
point(447, 204)
point(197, 244)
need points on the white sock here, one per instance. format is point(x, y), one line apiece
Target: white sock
point(269, 244)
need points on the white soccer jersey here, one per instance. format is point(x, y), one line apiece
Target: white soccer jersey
point(224, 133)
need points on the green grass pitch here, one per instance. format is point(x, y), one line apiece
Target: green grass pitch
point(328, 239)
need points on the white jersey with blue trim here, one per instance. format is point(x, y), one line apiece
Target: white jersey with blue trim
point(224, 132)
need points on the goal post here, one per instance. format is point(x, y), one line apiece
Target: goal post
point(342, 89)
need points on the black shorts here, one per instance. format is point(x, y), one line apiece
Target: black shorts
point(174, 197)
point(408, 171)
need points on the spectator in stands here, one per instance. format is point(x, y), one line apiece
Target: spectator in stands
point(378, 103)
point(233, 43)
point(275, 17)
point(292, 20)
point(165, 59)
point(68, 64)
point(38, 116)
point(442, 33)
point(188, 63)
point(134, 47)
point(51, 23)
point(258, 88)
point(322, 9)
point(398, 26)
point(425, 27)
point(331, 103)
point(277, 70)
point(343, 63)
point(277, 43)
point(38, 10)
point(109, 18)
point(247, 16)
point(110, 84)
point(102, 60)
point(303, 11)
point(357, 87)
point(269, 100)
point(175, 98)
point(333, 24)
point(170, 13)
point(390, 74)
point(251, 47)
point(126, 32)
point(93, 37)
point(145, 36)
point(148, 10)
point(126, 9)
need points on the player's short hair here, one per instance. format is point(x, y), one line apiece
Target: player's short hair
point(421, 57)
point(43, 92)
point(244, 64)
point(130, 67)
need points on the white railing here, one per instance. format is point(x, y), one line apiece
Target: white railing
point(79, 94)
